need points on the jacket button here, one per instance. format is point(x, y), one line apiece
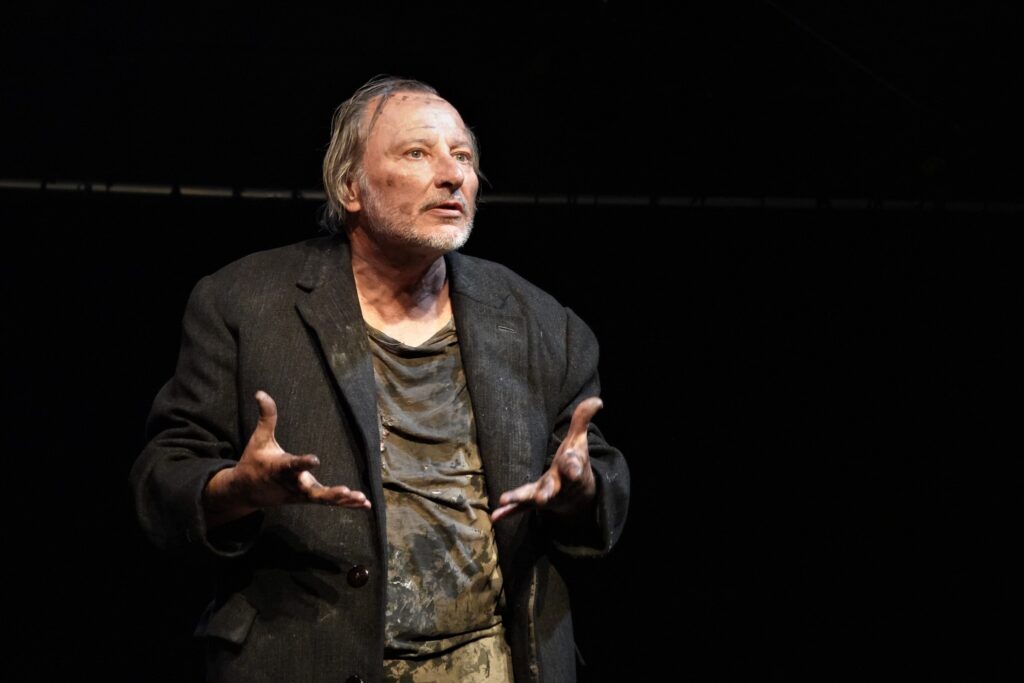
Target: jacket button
point(353, 679)
point(357, 578)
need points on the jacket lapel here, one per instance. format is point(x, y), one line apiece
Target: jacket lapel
point(331, 309)
point(492, 339)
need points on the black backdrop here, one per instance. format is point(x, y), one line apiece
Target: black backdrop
point(813, 404)
point(819, 405)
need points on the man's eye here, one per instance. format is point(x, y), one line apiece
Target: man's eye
point(415, 153)
point(462, 157)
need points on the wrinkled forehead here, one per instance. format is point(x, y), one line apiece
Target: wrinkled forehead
point(406, 111)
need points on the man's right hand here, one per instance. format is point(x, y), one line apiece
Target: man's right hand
point(266, 476)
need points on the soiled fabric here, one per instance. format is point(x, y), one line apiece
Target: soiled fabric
point(442, 618)
point(287, 321)
point(487, 660)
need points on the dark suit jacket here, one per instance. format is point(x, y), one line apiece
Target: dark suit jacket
point(301, 587)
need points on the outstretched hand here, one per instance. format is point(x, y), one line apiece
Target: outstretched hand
point(568, 486)
point(266, 475)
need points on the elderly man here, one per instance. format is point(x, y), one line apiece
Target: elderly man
point(435, 396)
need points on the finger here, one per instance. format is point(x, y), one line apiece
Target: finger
point(268, 413)
point(342, 496)
point(507, 511)
point(528, 496)
point(298, 463)
point(582, 416)
point(519, 494)
point(309, 487)
point(356, 504)
point(534, 494)
point(514, 501)
point(316, 492)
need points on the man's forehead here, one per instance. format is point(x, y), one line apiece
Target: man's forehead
point(412, 97)
point(410, 110)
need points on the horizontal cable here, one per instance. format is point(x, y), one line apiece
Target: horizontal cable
point(698, 202)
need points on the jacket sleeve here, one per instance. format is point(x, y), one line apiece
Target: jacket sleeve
point(611, 473)
point(193, 433)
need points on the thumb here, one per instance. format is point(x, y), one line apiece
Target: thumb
point(268, 413)
point(582, 416)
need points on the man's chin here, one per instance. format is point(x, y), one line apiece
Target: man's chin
point(445, 238)
point(434, 239)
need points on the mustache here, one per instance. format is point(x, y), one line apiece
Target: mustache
point(449, 199)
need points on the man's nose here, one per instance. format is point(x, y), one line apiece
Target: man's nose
point(449, 173)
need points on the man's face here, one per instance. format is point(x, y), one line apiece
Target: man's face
point(417, 186)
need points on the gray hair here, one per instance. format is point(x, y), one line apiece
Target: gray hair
point(348, 140)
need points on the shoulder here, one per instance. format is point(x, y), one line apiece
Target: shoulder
point(494, 283)
point(288, 262)
point(269, 277)
point(502, 288)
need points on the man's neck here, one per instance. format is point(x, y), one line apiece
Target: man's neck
point(405, 297)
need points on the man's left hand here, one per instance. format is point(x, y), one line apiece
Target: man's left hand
point(568, 486)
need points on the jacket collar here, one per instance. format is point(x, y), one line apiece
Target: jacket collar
point(492, 339)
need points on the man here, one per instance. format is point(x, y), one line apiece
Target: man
point(443, 403)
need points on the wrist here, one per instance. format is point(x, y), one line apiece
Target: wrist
point(222, 501)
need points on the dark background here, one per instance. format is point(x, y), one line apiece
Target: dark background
point(818, 399)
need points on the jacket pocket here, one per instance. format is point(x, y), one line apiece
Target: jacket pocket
point(230, 621)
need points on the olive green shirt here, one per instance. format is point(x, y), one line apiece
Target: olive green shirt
point(444, 583)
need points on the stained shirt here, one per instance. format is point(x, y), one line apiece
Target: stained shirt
point(442, 618)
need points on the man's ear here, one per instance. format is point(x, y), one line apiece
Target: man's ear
point(353, 201)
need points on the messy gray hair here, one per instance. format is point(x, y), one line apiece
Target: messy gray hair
point(348, 141)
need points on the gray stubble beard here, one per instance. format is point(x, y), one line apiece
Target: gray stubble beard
point(384, 221)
